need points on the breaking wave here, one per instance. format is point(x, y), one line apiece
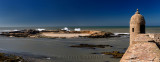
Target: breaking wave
point(121, 33)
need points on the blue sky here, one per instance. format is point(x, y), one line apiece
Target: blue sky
point(76, 12)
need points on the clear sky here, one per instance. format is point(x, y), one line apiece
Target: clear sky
point(76, 12)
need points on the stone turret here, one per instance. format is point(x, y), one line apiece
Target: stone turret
point(137, 26)
point(143, 47)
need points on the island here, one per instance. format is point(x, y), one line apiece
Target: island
point(32, 33)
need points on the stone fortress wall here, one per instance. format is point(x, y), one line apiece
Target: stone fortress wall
point(143, 47)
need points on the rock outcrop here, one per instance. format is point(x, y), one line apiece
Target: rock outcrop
point(90, 46)
point(22, 33)
point(101, 35)
point(10, 58)
point(115, 54)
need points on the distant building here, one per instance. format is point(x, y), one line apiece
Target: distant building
point(77, 29)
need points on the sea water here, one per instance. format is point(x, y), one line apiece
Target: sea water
point(58, 50)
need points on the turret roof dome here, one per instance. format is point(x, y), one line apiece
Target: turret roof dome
point(137, 18)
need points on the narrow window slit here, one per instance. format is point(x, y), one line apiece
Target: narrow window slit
point(132, 29)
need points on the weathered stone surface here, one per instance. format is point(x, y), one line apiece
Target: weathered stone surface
point(142, 52)
point(143, 37)
point(155, 37)
point(137, 26)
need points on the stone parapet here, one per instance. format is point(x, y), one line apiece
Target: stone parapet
point(142, 52)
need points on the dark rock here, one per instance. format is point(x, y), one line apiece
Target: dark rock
point(22, 33)
point(116, 54)
point(90, 46)
point(10, 58)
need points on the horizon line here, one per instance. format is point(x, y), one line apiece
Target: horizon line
point(73, 26)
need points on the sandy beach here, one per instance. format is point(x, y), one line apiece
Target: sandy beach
point(60, 35)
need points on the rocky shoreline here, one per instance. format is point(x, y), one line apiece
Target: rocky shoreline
point(10, 58)
point(31, 33)
point(115, 54)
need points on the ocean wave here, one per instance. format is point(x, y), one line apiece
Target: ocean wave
point(121, 33)
point(8, 30)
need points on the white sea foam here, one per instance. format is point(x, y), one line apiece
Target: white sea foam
point(8, 30)
point(48, 58)
point(121, 33)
